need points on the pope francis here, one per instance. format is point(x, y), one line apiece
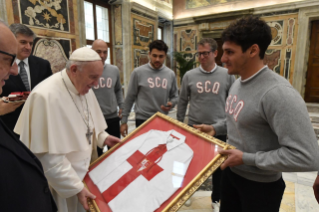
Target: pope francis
point(61, 122)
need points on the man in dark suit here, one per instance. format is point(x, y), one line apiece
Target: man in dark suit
point(23, 185)
point(32, 70)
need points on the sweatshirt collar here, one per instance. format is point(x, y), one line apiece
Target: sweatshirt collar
point(149, 64)
point(205, 72)
point(253, 76)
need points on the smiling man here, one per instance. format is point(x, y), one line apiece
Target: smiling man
point(205, 89)
point(62, 124)
point(267, 121)
point(109, 92)
point(152, 87)
point(32, 70)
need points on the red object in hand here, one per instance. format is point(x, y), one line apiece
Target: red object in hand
point(17, 96)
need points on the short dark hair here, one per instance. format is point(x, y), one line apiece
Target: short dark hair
point(210, 41)
point(21, 29)
point(159, 45)
point(248, 31)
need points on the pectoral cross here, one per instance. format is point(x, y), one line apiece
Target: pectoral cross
point(88, 135)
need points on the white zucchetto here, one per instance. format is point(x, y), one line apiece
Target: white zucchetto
point(85, 54)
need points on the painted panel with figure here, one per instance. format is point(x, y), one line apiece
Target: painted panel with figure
point(48, 14)
point(190, 4)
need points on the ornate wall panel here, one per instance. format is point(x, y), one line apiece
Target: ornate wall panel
point(143, 32)
point(272, 59)
point(276, 32)
point(55, 51)
point(290, 31)
point(140, 57)
point(185, 40)
point(119, 62)
point(118, 25)
point(287, 68)
point(280, 56)
point(188, 40)
point(48, 14)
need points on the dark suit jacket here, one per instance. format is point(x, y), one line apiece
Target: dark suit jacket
point(40, 69)
point(23, 186)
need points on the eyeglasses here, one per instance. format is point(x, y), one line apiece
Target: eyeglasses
point(12, 55)
point(203, 53)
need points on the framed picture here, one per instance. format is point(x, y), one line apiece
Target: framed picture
point(155, 168)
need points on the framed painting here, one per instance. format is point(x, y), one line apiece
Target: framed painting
point(157, 167)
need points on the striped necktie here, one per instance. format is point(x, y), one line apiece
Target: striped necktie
point(24, 76)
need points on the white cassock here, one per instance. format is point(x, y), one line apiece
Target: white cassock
point(53, 129)
point(144, 195)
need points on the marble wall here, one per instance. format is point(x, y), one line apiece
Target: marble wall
point(280, 55)
point(144, 31)
point(185, 40)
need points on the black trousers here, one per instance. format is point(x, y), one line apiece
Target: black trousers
point(216, 177)
point(113, 128)
point(139, 122)
point(242, 195)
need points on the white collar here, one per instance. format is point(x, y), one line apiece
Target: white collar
point(68, 82)
point(206, 72)
point(177, 139)
point(246, 80)
point(26, 61)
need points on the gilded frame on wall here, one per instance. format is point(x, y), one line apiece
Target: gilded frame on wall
point(204, 162)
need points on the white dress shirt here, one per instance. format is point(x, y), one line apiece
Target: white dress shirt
point(27, 68)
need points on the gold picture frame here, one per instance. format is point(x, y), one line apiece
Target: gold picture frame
point(195, 175)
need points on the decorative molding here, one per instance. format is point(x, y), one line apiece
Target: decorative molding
point(143, 11)
point(287, 63)
point(188, 40)
point(276, 32)
point(272, 59)
point(291, 6)
point(118, 29)
point(143, 32)
point(140, 57)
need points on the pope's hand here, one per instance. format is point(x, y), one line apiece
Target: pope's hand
point(83, 196)
point(6, 108)
point(123, 130)
point(208, 129)
point(316, 188)
point(234, 158)
point(111, 140)
point(168, 107)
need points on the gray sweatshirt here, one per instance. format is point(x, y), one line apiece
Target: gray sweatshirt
point(150, 88)
point(206, 93)
point(268, 120)
point(109, 91)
